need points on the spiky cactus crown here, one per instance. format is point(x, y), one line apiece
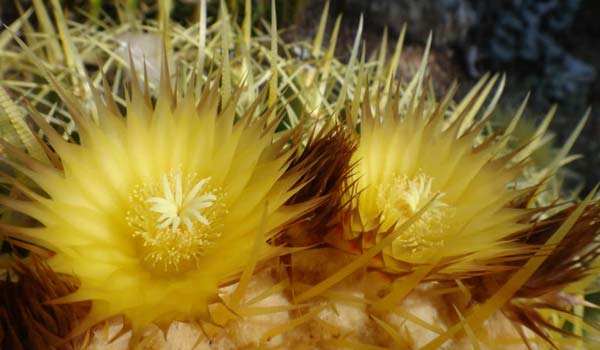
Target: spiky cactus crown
point(274, 200)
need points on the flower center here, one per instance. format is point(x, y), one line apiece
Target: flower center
point(402, 198)
point(175, 221)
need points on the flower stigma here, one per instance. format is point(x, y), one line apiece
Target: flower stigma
point(175, 221)
point(400, 199)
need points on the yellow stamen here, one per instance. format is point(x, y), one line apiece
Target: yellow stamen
point(400, 199)
point(175, 222)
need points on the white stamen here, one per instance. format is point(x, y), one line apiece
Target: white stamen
point(178, 208)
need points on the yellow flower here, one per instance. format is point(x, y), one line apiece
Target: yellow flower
point(422, 155)
point(152, 212)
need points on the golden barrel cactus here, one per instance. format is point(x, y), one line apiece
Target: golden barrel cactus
point(241, 196)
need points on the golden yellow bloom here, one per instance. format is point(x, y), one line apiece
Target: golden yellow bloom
point(153, 211)
point(415, 154)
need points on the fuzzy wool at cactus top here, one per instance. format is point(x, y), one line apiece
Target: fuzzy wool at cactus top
point(262, 199)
